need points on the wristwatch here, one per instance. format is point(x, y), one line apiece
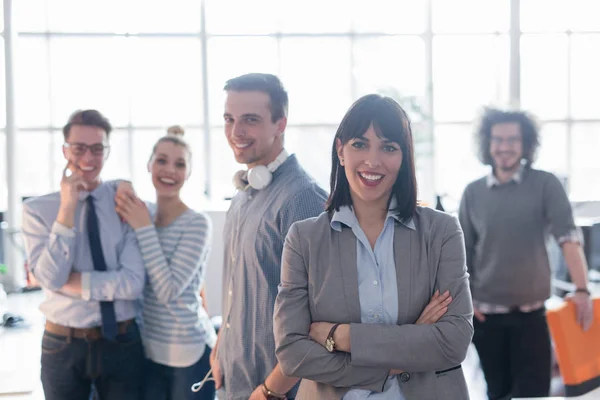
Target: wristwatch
point(329, 342)
point(270, 395)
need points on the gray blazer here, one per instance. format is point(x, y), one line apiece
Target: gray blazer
point(319, 282)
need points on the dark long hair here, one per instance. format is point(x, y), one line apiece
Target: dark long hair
point(529, 133)
point(391, 122)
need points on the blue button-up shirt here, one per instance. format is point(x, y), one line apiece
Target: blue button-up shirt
point(377, 286)
point(54, 251)
point(255, 229)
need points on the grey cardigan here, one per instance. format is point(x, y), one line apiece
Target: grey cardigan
point(319, 283)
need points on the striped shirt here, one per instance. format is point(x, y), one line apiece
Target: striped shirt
point(176, 328)
point(255, 229)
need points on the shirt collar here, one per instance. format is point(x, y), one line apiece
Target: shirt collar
point(516, 178)
point(345, 215)
point(101, 190)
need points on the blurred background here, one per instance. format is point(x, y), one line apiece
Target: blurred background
point(150, 64)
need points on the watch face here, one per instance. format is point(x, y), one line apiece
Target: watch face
point(329, 344)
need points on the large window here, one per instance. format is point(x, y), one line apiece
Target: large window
point(141, 63)
point(559, 83)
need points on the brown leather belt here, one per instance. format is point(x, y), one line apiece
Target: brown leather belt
point(94, 333)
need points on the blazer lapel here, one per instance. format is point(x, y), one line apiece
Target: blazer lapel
point(405, 259)
point(346, 248)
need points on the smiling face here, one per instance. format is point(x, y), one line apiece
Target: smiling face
point(252, 135)
point(170, 167)
point(86, 149)
point(371, 164)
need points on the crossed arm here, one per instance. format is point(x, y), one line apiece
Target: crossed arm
point(375, 349)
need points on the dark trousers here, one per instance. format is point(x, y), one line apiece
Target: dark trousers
point(170, 383)
point(515, 354)
point(72, 368)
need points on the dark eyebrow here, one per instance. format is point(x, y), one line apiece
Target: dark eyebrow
point(385, 140)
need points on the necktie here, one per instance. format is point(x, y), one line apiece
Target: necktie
point(107, 309)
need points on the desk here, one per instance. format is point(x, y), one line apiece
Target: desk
point(20, 350)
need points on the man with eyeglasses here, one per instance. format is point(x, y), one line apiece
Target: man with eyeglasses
point(91, 269)
point(506, 218)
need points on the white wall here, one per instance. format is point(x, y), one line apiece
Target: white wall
point(214, 267)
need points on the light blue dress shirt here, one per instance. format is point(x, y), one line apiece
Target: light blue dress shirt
point(54, 251)
point(377, 287)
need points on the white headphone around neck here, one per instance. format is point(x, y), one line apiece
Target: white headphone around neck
point(260, 176)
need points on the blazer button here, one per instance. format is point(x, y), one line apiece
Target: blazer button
point(405, 377)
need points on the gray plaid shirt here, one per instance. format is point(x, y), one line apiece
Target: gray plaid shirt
point(255, 229)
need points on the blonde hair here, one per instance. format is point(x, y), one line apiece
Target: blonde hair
point(175, 130)
point(176, 140)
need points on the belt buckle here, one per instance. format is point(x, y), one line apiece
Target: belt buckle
point(88, 334)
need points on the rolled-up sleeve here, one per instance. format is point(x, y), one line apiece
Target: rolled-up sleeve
point(558, 211)
point(297, 353)
point(49, 249)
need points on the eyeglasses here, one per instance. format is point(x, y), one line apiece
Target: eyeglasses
point(511, 141)
point(97, 149)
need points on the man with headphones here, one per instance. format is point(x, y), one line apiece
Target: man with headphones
point(273, 193)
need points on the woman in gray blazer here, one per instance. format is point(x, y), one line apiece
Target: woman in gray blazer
point(355, 280)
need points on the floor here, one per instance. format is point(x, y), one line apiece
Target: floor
point(20, 354)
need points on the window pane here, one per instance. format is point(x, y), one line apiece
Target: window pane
point(456, 162)
point(193, 193)
point(121, 16)
point(87, 16)
point(559, 15)
point(380, 67)
point(89, 73)
point(468, 73)
point(543, 72)
point(424, 168)
point(332, 16)
point(232, 16)
point(224, 55)
point(585, 81)
point(389, 16)
point(33, 99)
point(57, 161)
point(585, 175)
point(166, 81)
point(458, 16)
point(316, 72)
point(118, 164)
point(544, 16)
point(313, 149)
point(223, 167)
point(2, 86)
point(33, 176)
point(583, 15)
point(27, 20)
point(552, 154)
point(3, 183)
point(178, 16)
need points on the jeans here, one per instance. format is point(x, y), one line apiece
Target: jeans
point(72, 368)
point(172, 383)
